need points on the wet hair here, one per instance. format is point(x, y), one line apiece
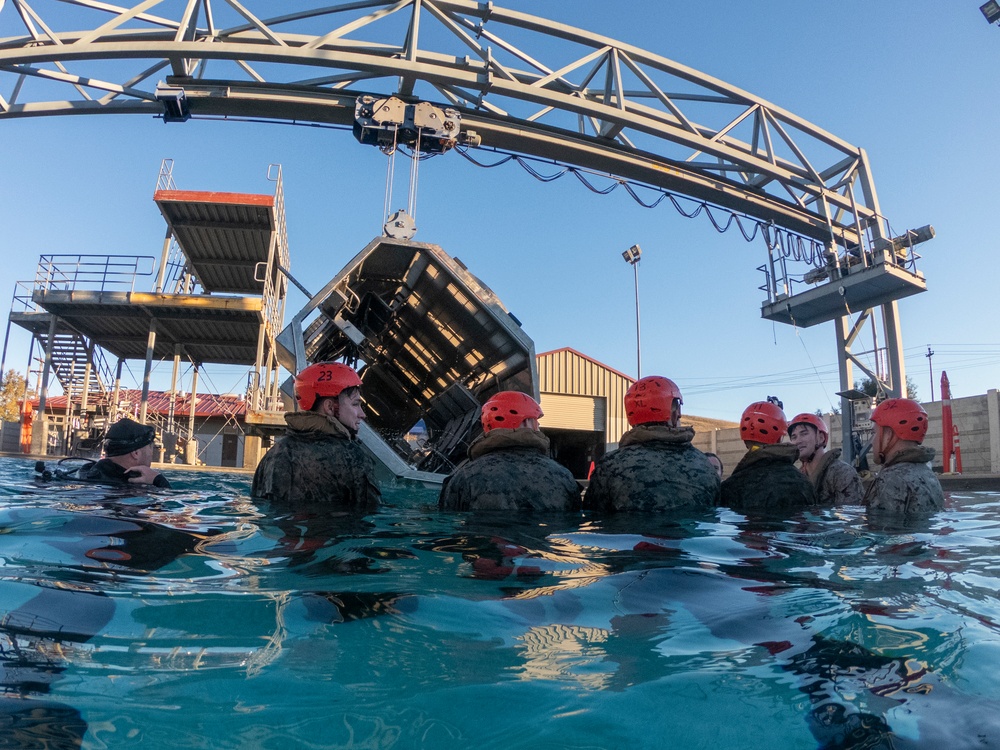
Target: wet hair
point(716, 457)
point(348, 392)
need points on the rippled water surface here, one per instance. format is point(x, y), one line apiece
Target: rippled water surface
point(194, 618)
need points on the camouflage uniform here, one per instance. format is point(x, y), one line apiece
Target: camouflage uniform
point(906, 484)
point(654, 468)
point(317, 462)
point(510, 470)
point(766, 479)
point(836, 482)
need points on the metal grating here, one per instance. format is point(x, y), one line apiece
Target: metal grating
point(223, 235)
point(859, 290)
point(223, 330)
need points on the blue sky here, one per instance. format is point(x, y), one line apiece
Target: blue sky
point(911, 82)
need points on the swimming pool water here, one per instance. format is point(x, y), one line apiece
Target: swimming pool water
point(193, 618)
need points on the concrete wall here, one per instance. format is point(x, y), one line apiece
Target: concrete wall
point(977, 418)
point(978, 422)
point(10, 437)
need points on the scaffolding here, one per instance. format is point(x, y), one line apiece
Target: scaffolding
point(216, 296)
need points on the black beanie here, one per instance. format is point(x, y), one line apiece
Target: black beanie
point(125, 436)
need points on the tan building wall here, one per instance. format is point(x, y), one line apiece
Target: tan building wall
point(579, 393)
point(977, 418)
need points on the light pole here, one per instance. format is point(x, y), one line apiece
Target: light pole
point(631, 257)
point(930, 367)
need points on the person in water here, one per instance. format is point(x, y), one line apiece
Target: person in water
point(655, 466)
point(766, 477)
point(509, 467)
point(128, 451)
point(905, 483)
point(716, 463)
point(835, 481)
point(320, 461)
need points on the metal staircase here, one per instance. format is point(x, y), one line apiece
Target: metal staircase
point(80, 368)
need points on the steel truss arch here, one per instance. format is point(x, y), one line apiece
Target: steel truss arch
point(523, 83)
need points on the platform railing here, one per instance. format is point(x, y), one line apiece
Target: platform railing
point(23, 300)
point(165, 180)
point(92, 272)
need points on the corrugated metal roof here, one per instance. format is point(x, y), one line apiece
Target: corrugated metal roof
point(223, 235)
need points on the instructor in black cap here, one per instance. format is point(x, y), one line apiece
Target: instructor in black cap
point(128, 447)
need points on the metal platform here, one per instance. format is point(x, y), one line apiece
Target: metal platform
point(435, 343)
point(223, 235)
point(853, 292)
point(223, 330)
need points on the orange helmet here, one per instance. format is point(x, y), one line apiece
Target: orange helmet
point(810, 419)
point(651, 399)
point(323, 380)
point(508, 409)
point(763, 422)
point(903, 416)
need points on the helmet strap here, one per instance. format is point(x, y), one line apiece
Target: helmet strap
point(886, 445)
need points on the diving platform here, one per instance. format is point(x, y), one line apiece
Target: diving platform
point(224, 236)
point(222, 330)
point(434, 341)
point(216, 296)
point(858, 289)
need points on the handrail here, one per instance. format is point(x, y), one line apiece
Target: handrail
point(93, 272)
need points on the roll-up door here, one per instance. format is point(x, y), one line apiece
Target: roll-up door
point(564, 412)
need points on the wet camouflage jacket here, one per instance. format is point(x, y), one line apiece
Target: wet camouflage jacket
point(317, 461)
point(654, 468)
point(836, 482)
point(510, 470)
point(766, 479)
point(906, 484)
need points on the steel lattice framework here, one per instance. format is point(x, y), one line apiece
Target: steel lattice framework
point(524, 84)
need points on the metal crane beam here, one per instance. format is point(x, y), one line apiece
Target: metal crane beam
point(571, 96)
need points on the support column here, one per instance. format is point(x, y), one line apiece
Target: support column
point(163, 261)
point(173, 388)
point(993, 413)
point(150, 345)
point(85, 396)
point(113, 411)
point(255, 387)
point(191, 452)
point(3, 357)
point(67, 418)
point(894, 349)
point(40, 433)
point(846, 384)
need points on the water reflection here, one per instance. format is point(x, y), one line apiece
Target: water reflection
point(827, 629)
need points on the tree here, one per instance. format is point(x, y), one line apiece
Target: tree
point(11, 391)
point(870, 387)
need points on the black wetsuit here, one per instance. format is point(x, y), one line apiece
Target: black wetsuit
point(107, 471)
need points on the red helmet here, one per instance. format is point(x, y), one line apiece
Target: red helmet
point(323, 379)
point(508, 409)
point(651, 399)
point(810, 419)
point(763, 422)
point(903, 416)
